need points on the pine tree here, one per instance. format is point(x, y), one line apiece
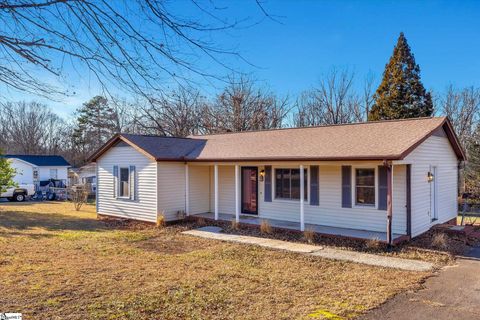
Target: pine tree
point(96, 123)
point(401, 93)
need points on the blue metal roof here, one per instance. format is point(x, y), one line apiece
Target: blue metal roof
point(41, 161)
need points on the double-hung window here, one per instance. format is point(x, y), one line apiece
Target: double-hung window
point(365, 186)
point(287, 184)
point(124, 183)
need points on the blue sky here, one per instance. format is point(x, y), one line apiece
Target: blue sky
point(315, 36)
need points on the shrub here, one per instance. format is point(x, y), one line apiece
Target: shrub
point(161, 220)
point(201, 222)
point(373, 244)
point(309, 235)
point(440, 241)
point(235, 225)
point(265, 227)
point(78, 195)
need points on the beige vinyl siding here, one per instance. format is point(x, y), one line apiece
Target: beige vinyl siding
point(199, 185)
point(435, 151)
point(145, 206)
point(329, 212)
point(171, 189)
point(226, 189)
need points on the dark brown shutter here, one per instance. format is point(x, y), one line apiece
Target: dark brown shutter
point(346, 186)
point(268, 184)
point(314, 186)
point(382, 188)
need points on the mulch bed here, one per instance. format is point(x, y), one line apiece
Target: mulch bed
point(431, 246)
point(436, 245)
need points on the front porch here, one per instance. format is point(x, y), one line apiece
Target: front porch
point(323, 230)
point(249, 194)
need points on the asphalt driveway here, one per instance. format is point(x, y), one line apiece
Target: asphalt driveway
point(452, 294)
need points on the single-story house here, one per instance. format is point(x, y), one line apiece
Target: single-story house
point(389, 180)
point(84, 175)
point(31, 169)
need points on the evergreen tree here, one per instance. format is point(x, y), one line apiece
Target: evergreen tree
point(6, 174)
point(401, 93)
point(96, 122)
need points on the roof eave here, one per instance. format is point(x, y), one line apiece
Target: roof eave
point(451, 135)
point(117, 137)
point(279, 159)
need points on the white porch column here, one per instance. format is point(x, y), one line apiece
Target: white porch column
point(302, 192)
point(237, 193)
point(187, 191)
point(215, 183)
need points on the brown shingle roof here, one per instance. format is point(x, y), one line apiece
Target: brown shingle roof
point(368, 140)
point(390, 140)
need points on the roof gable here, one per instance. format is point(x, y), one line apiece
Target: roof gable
point(40, 160)
point(382, 140)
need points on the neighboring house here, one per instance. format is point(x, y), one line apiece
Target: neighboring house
point(85, 175)
point(389, 180)
point(31, 169)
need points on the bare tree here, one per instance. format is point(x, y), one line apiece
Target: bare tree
point(334, 101)
point(176, 114)
point(30, 128)
point(134, 45)
point(242, 106)
point(462, 107)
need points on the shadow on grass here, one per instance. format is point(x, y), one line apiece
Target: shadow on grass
point(22, 220)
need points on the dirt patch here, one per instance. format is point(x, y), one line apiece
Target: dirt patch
point(168, 245)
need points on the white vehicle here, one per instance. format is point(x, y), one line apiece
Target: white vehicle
point(19, 193)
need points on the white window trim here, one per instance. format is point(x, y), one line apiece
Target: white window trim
point(274, 196)
point(354, 186)
point(120, 180)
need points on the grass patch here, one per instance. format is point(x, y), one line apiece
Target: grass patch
point(57, 263)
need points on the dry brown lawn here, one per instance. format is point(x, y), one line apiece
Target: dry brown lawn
point(57, 263)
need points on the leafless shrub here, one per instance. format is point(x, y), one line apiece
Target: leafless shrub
point(373, 244)
point(265, 227)
point(440, 241)
point(309, 235)
point(201, 222)
point(78, 195)
point(161, 220)
point(235, 225)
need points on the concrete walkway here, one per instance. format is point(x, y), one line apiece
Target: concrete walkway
point(453, 294)
point(318, 251)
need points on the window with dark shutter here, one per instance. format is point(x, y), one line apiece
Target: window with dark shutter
point(268, 184)
point(314, 186)
point(346, 186)
point(382, 188)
